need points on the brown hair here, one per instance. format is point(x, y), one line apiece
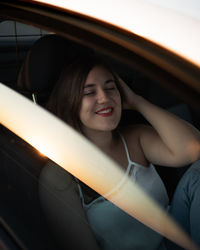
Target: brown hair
point(65, 100)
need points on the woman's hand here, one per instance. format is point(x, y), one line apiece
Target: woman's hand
point(129, 98)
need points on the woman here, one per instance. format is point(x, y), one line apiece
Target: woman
point(90, 97)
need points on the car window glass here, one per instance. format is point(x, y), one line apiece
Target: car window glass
point(33, 188)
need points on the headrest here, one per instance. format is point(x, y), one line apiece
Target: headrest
point(43, 64)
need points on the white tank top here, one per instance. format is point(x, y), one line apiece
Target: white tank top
point(113, 228)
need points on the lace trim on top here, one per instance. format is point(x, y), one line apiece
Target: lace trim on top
point(129, 172)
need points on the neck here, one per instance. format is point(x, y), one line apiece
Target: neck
point(102, 139)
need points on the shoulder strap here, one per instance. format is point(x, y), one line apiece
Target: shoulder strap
point(126, 148)
point(80, 191)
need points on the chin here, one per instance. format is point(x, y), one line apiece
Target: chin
point(109, 128)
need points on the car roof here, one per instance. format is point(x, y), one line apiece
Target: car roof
point(175, 30)
point(189, 8)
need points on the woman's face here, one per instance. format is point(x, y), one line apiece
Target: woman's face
point(101, 102)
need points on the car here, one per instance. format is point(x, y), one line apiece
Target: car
point(154, 48)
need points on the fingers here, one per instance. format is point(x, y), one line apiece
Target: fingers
point(127, 94)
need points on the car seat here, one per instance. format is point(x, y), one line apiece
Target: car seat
point(42, 67)
point(21, 163)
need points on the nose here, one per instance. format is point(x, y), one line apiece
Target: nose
point(102, 96)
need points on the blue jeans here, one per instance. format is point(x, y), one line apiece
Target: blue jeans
point(185, 206)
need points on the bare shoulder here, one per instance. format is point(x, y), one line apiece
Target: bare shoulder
point(132, 135)
point(136, 131)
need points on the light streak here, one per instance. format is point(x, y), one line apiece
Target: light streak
point(79, 157)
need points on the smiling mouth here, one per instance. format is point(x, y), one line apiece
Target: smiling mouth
point(105, 112)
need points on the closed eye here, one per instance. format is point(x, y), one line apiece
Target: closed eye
point(111, 88)
point(110, 85)
point(89, 93)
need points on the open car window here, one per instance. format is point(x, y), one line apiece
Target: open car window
point(37, 194)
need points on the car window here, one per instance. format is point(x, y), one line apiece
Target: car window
point(16, 39)
point(34, 188)
point(12, 31)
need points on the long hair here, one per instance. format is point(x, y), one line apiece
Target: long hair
point(65, 100)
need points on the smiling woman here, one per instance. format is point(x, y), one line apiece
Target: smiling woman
point(101, 102)
point(98, 96)
point(83, 96)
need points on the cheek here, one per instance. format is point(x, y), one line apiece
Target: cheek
point(86, 107)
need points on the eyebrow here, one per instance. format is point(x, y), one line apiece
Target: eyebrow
point(90, 85)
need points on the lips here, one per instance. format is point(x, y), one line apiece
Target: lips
point(105, 112)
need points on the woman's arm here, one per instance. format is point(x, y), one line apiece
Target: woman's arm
point(172, 141)
point(63, 210)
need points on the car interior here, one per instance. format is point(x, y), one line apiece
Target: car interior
point(31, 60)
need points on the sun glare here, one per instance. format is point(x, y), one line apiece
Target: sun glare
point(78, 156)
point(43, 149)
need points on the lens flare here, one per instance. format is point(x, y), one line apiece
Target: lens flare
point(78, 156)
